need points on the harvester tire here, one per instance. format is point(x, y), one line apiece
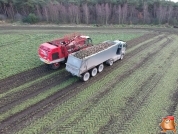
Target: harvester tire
point(55, 66)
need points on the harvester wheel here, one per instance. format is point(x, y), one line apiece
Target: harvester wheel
point(94, 72)
point(86, 76)
point(55, 66)
point(100, 68)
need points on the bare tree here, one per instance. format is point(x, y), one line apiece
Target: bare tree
point(98, 13)
point(169, 14)
point(124, 13)
point(74, 13)
point(146, 18)
point(119, 13)
point(86, 12)
point(107, 12)
point(63, 13)
point(161, 13)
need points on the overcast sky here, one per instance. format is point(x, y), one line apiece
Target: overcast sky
point(175, 0)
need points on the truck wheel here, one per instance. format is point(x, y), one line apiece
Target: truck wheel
point(86, 76)
point(100, 68)
point(122, 56)
point(110, 62)
point(55, 66)
point(94, 72)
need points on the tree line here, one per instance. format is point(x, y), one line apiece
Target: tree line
point(100, 12)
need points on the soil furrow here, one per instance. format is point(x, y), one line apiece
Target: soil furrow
point(14, 99)
point(174, 98)
point(140, 39)
point(44, 106)
point(133, 106)
point(24, 77)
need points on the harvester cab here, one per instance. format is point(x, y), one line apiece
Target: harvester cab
point(54, 52)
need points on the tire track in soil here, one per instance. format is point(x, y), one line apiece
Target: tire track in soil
point(133, 105)
point(24, 77)
point(96, 99)
point(31, 91)
point(27, 76)
point(174, 98)
point(60, 97)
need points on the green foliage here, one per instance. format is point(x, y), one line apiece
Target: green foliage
point(31, 18)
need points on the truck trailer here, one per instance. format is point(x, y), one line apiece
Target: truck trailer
point(90, 61)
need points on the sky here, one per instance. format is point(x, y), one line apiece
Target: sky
point(175, 0)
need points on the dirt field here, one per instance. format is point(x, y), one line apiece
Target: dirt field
point(107, 107)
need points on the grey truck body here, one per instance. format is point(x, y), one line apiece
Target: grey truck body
point(77, 66)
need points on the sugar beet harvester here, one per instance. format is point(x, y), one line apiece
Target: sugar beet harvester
point(89, 62)
point(54, 52)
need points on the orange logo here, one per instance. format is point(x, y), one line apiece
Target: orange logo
point(168, 123)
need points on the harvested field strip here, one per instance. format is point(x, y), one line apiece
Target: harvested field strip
point(142, 38)
point(156, 108)
point(27, 84)
point(95, 85)
point(22, 78)
point(36, 99)
point(22, 93)
point(154, 39)
point(87, 109)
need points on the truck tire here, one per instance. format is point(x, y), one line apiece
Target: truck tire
point(94, 72)
point(86, 76)
point(100, 68)
point(122, 56)
point(55, 66)
point(110, 62)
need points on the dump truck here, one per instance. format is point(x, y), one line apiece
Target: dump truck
point(54, 52)
point(90, 61)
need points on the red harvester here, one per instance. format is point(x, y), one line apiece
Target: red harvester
point(54, 52)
